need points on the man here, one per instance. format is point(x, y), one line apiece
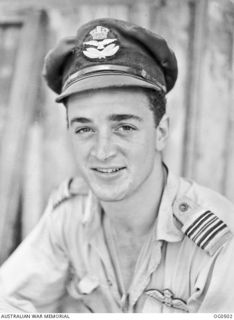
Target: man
point(128, 236)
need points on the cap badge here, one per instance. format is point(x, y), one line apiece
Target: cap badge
point(99, 45)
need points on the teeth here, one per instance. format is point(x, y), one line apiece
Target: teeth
point(108, 170)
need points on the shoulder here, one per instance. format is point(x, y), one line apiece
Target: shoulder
point(68, 201)
point(68, 190)
point(205, 216)
point(67, 208)
point(213, 201)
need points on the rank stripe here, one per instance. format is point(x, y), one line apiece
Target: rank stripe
point(213, 235)
point(209, 232)
point(221, 238)
point(196, 224)
point(206, 225)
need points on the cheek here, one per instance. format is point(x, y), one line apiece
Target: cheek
point(144, 147)
point(80, 149)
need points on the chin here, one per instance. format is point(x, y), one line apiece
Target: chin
point(109, 195)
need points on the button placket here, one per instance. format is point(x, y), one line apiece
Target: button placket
point(143, 280)
point(108, 271)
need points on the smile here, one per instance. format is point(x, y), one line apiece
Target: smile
point(108, 170)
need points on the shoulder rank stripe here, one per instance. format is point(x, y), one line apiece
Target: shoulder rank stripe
point(205, 240)
point(201, 227)
point(208, 224)
point(204, 228)
point(196, 224)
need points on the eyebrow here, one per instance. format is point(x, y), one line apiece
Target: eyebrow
point(121, 117)
point(80, 119)
point(112, 117)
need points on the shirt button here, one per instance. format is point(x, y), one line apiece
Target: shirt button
point(87, 285)
point(183, 207)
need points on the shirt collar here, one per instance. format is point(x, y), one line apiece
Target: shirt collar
point(165, 226)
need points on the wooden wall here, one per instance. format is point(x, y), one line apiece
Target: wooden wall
point(201, 106)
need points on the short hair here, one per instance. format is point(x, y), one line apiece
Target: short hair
point(157, 104)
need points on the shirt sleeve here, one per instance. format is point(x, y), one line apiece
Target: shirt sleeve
point(34, 277)
point(214, 290)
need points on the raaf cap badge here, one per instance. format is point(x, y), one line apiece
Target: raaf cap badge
point(100, 44)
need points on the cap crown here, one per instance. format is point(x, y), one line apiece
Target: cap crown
point(108, 46)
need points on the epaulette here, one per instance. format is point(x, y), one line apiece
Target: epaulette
point(201, 225)
point(67, 190)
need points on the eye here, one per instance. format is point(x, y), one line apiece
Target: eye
point(83, 131)
point(125, 128)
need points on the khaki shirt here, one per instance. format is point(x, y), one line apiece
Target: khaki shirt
point(185, 265)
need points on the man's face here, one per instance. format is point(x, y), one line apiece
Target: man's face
point(115, 140)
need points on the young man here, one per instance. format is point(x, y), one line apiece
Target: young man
point(128, 236)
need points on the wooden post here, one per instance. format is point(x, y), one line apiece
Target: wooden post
point(228, 177)
point(32, 198)
point(194, 83)
point(22, 104)
point(119, 11)
point(140, 13)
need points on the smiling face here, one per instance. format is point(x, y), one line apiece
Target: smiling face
point(117, 146)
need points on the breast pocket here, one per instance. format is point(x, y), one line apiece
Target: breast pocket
point(91, 295)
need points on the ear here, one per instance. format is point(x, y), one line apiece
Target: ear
point(162, 132)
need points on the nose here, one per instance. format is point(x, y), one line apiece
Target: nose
point(104, 147)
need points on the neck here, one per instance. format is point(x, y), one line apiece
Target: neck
point(135, 215)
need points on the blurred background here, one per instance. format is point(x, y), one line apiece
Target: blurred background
point(35, 153)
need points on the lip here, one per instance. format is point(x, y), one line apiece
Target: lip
point(108, 171)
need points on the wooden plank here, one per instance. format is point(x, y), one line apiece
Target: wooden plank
point(100, 11)
point(9, 41)
point(8, 16)
point(32, 197)
point(212, 122)
point(140, 14)
point(67, 21)
point(194, 82)
point(60, 4)
point(56, 147)
point(119, 11)
point(85, 13)
point(22, 104)
point(5, 21)
point(176, 33)
point(3, 82)
point(228, 177)
point(109, 10)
